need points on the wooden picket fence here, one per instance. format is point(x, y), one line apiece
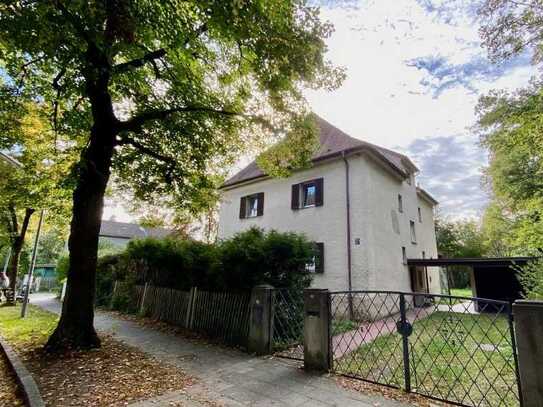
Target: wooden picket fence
point(221, 315)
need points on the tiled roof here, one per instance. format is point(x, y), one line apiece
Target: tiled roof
point(334, 142)
point(111, 228)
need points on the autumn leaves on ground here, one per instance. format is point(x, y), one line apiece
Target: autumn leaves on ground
point(115, 374)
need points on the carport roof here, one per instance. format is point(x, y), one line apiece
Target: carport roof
point(470, 261)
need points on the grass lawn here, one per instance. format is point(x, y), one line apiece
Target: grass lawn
point(459, 357)
point(461, 292)
point(35, 328)
point(114, 375)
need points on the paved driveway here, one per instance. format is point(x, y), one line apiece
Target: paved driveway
point(230, 377)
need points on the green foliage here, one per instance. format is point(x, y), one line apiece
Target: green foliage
point(457, 240)
point(511, 125)
point(460, 238)
point(106, 251)
point(50, 247)
point(531, 280)
point(174, 263)
point(256, 257)
point(197, 83)
point(45, 166)
point(109, 268)
point(511, 27)
point(248, 259)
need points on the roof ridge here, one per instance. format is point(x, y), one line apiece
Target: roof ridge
point(333, 142)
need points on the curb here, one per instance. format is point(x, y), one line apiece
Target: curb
point(25, 380)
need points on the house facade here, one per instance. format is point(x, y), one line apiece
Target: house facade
point(358, 202)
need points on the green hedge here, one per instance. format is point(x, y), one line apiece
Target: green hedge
point(247, 259)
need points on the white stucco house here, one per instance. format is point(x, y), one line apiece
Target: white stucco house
point(359, 202)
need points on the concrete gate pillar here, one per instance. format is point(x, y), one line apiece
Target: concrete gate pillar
point(528, 317)
point(317, 350)
point(261, 320)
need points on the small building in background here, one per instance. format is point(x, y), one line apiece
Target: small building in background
point(120, 233)
point(491, 278)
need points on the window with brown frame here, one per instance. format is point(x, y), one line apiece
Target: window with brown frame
point(317, 265)
point(251, 206)
point(307, 194)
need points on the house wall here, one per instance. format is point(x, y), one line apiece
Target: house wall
point(321, 224)
point(383, 230)
point(376, 244)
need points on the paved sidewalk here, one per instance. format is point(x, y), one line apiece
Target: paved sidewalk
point(227, 376)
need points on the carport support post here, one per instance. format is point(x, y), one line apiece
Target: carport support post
point(317, 316)
point(528, 317)
point(261, 322)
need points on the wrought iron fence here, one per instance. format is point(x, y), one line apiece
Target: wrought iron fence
point(456, 349)
point(288, 323)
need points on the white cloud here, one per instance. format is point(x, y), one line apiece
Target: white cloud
point(389, 101)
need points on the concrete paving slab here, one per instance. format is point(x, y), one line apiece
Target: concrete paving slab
point(227, 376)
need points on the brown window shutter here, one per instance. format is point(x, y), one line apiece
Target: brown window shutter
point(319, 197)
point(242, 210)
point(260, 207)
point(295, 202)
point(319, 258)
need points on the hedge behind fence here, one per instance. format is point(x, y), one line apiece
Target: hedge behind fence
point(238, 264)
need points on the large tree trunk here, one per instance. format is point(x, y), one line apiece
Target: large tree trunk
point(17, 243)
point(75, 328)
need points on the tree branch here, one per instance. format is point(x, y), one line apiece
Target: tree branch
point(58, 88)
point(14, 223)
point(199, 31)
point(138, 121)
point(124, 140)
point(136, 63)
point(76, 23)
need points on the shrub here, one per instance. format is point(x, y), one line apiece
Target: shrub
point(173, 263)
point(256, 257)
point(531, 279)
point(248, 259)
point(109, 268)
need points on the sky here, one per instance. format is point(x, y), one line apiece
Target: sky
point(415, 70)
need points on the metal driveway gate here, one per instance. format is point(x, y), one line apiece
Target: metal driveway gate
point(288, 323)
point(456, 349)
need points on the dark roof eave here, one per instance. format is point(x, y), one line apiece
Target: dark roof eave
point(427, 196)
point(323, 158)
point(117, 236)
point(483, 261)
